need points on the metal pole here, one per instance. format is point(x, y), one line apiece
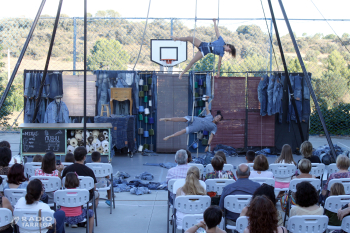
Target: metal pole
point(74, 44)
point(291, 91)
point(85, 52)
point(8, 65)
point(271, 45)
point(37, 102)
point(308, 81)
point(171, 27)
point(20, 58)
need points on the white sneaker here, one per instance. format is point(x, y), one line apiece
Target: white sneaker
point(74, 226)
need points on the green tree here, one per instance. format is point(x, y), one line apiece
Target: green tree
point(329, 36)
point(304, 34)
point(295, 67)
point(108, 55)
point(113, 13)
point(311, 55)
point(101, 14)
point(336, 65)
point(345, 36)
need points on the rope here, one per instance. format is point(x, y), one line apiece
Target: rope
point(193, 82)
point(330, 27)
point(143, 36)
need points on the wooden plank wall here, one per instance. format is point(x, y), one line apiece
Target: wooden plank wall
point(73, 94)
point(172, 102)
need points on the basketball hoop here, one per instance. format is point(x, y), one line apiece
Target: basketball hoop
point(168, 61)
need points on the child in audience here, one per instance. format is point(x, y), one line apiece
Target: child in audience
point(286, 157)
point(261, 168)
point(250, 156)
point(212, 217)
point(38, 159)
point(336, 189)
point(189, 156)
point(75, 215)
point(101, 182)
point(16, 178)
point(222, 155)
point(69, 158)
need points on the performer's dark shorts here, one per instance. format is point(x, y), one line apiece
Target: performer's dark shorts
point(204, 48)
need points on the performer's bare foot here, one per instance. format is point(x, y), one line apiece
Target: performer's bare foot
point(180, 76)
point(166, 138)
point(174, 38)
point(164, 119)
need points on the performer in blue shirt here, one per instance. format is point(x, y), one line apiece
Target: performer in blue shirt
point(217, 47)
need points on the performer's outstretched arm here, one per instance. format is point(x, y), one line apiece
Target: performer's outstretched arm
point(216, 29)
point(207, 106)
point(209, 142)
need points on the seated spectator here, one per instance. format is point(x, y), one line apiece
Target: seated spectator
point(304, 166)
point(5, 203)
point(101, 182)
point(192, 186)
point(222, 155)
point(269, 192)
point(5, 158)
point(263, 217)
point(75, 215)
point(306, 198)
point(82, 170)
point(212, 217)
point(336, 189)
point(38, 159)
point(286, 157)
point(306, 151)
point(218, 165)
point(250, 156)
point(261, 168)
point(16, 178)
point(189, 156)
point(32, 201)
point(242, 186)
point(69, 158)
point(5, 144)
point(343, 164)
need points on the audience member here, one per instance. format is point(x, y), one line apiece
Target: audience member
point(242, 186)
point(82, 170)
point(269, 192)
point(69, 158)
point(212, 217)
point(5, 158)
point(218, 165)
point(16, 178)
point(189, 156)
point(304, 166)
point(261, 168)
point(75, 215)
point(286, 157)
point(263, 217)
point(38, 159)
point(306, 198)
point(5, 144)
point(343, 164)
point(102, 182)
point(32, 201)
point(306, 152)
point(5, 203)
point(336, 189)
point(250, 156)
point(222, 155)
point(180, 170)
point(192, 186)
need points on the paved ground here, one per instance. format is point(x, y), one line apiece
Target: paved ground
point(147, 213)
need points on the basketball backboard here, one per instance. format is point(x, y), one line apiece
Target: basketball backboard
point(167, 52)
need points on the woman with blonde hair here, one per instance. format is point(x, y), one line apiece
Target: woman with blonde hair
point(306, 151)
point(286, 157)
point(192, 186)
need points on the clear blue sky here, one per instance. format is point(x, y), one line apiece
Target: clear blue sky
point(335, 9)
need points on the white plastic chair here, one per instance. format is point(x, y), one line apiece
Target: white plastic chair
point(51, 184)
point(170, 191)
point(14, 195)
point(28, 220)
point(4, 182)
point(189, 221)
point(217, 185)
point(281, 170)
point(344, 181)
point(332, 168)
point(5, 217)
point(333, 204)
point(308, 223)
point(85, 182)
point(102, 170)
point(30, 167)
point(180, 182)
point(235, 204)
point(241, 224)
point(317, 169)
point(73, 198)
point(345, 224)
point(293, 188)
point(191, 204)
point(269, 181)
point(200, 167)
point(227, 167)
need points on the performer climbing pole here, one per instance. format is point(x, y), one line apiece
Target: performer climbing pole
point(218, 47)
point(208, 123)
